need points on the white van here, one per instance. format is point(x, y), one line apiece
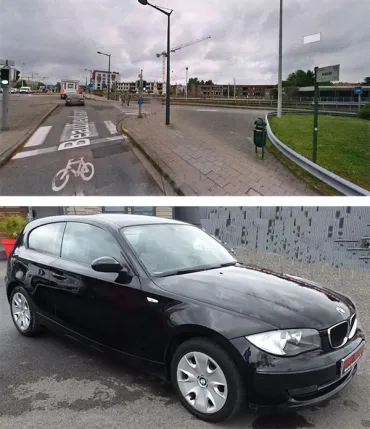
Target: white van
point(25, 90)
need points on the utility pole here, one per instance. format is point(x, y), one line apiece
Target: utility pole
point(316, 119)
point(228, 91)
point(280, 71)
point(234, 89)
point(186, 90)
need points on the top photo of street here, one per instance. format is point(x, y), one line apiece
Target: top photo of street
point(185, 98)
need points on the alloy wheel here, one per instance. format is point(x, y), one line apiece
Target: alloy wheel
point(202, 382)
point(21, 311)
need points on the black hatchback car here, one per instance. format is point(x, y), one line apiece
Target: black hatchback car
point(175, 299)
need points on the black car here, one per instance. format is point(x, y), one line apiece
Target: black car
point(175, 299)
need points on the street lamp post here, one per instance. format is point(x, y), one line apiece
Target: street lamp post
point(167, 12)
point(107, 55)
point(280, 71)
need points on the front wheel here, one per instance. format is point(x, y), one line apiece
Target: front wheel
point(88, 171)
point(207, 380)
point(23, 312)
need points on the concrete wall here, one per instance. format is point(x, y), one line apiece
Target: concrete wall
point(335, 236)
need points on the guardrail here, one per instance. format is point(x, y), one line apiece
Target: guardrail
point(336, 182)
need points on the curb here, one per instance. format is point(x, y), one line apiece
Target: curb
point(181, 190)
point(4, 157)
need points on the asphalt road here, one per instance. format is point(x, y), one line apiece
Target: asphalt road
point(52, 382)
point(109, 165)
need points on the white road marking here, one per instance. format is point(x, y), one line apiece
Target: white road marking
point(38, 137)
point(206, 110)
point(35, 152)
point(111, 127)
point(74, 131)
point(73, 143)
point(83, 169)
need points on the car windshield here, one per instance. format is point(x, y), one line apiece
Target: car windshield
point(172, 249)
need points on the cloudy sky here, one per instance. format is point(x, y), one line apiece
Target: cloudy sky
point(59, 39)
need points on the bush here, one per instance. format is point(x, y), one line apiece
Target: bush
point(12, 226)
point(364, 113)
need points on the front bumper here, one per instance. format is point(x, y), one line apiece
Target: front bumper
point(296, 382)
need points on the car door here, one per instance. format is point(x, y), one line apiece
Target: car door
point(102, 307)
point(31, 261)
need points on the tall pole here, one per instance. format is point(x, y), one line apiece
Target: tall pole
point(4, 125)
point(168, 83)
point(186, 89)
point(228, 91)
point(108, 76)
point(316, 119)
point(234, 89)
point(280, 73)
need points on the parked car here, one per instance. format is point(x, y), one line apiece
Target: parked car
point(25, 90)
point(75, 99)
point(173, 299)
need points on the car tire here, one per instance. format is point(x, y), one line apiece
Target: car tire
point(19, 295)
point(230, 396)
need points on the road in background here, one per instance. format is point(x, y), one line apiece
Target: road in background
point(77, 151)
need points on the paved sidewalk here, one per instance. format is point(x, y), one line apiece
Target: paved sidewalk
point(200, 164)
point(26, 113)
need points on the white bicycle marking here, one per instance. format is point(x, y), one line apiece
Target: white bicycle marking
point(85, 170)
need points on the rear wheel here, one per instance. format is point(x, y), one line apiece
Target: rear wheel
point(23, 312)
point(207, 380)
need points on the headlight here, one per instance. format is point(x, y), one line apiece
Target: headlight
point(289, 342)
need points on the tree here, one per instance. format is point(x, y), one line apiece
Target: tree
point(366, 81)
point(300, 78)
point(193, 81)
point(209, 82)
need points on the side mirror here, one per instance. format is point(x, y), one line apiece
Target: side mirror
point(107, 264)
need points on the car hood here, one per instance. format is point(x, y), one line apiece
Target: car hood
point(277, 299)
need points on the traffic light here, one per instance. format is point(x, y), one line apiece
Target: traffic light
point(5, 76)
point(17, 75)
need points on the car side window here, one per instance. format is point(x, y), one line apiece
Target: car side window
point(47, 238)
point(84, 243)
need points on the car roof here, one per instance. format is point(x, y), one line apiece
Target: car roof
point(116, 220)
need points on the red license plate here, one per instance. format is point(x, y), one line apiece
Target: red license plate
point(349, 362)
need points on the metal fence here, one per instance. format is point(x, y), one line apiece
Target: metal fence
point(338, 183)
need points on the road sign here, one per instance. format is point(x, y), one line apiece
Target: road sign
point(358, 90)
point(10, 62)
point(328, 74)
point(140, 101)
point(90, 85)
point(313, 38)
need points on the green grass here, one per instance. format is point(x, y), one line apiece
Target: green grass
point(343, 144)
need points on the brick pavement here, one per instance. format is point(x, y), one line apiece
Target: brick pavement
point(198, 163)
point(26, 113)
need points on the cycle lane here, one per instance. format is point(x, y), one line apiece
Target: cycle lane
point(79, 147)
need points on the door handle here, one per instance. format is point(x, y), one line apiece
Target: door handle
point(58, 276)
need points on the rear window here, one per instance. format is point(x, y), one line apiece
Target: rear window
point(47, 238)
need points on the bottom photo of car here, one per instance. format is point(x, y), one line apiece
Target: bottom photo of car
point(184, 316)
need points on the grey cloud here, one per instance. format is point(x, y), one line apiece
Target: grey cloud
point(62, 38)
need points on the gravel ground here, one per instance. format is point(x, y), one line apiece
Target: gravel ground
point(51, 382)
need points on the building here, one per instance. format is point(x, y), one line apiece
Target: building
point(334, 93)
point(151, 87)
point(219, 91)
point(99, 79)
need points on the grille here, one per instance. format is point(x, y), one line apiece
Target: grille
point(338, 334)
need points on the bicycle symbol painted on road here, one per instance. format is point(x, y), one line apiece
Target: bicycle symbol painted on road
point(85, 170)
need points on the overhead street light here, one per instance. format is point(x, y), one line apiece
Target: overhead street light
point(107, 55)
point(280, 69)
point(167, 12)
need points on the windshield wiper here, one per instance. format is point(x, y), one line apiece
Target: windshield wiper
point(195, 269)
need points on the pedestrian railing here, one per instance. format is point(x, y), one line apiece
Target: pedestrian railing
point(336, 182)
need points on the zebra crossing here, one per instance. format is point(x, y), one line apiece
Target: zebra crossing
point(74, 135)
